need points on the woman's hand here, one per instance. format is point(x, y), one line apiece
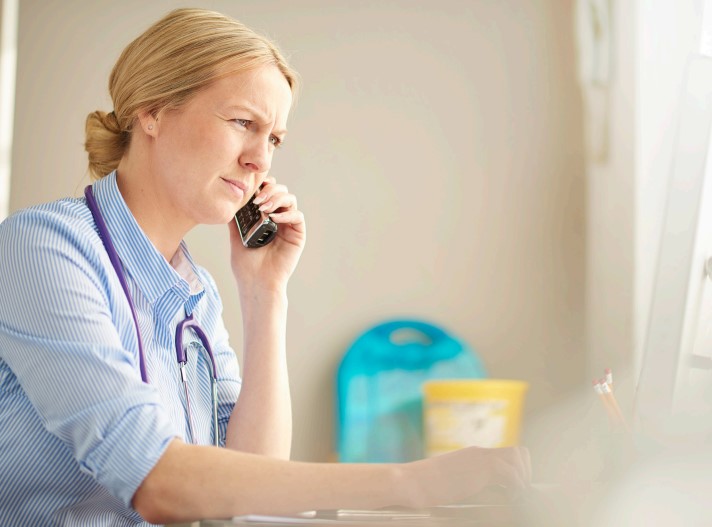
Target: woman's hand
point(458, 475)
point(271, 266)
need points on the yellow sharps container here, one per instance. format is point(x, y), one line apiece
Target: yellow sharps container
point(483, 412)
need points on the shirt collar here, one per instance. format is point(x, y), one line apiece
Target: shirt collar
point(141, 260)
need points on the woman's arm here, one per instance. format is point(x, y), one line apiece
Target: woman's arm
point(261, 422)
point(196, 482)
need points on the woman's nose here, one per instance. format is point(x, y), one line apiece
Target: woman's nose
point(256, 156)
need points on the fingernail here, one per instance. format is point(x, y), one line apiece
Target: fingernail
point(259, 199)
point(265, 206)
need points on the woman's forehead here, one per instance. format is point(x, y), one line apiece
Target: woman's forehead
point(264, 90)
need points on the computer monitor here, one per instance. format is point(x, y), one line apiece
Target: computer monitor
point(675, 380)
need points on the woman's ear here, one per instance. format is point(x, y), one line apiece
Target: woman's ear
point(148, 121)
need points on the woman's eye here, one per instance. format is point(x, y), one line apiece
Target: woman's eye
point(275, 141)
point(242, 122)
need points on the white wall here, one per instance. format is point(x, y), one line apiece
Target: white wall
point(8, 60)
point(436, 151)
point(610, 194)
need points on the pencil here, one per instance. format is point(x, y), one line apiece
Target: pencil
point(609, 377)
point(611, 399)
point(610, 411)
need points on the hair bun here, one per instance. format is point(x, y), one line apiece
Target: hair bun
point(105, 143)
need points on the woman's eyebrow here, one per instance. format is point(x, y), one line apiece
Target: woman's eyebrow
point(257, 113)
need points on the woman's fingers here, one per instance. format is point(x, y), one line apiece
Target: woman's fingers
point(508, 474)
point(518, 463)
point(268, 191)
point(279, 202)
point(295, 218)
point(527, 462)
point(275, 198)
point(508, 467)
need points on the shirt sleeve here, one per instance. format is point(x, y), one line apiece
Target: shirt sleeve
point(64, 325)
point(228, 371)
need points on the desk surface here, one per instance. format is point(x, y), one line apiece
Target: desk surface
point(537, 508)
point(455, 516)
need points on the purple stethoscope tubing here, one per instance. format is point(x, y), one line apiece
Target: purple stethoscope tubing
point(188, 322)
point(116, 264)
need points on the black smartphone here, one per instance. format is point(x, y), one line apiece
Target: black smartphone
point(256, 228)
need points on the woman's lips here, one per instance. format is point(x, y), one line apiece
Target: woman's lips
point(238, 187)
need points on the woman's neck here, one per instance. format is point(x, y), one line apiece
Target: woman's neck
point(149, 206)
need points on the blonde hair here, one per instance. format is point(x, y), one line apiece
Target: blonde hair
point(165, 66)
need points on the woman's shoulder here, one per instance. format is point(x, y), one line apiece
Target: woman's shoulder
point(60, 213)
point(66, 221)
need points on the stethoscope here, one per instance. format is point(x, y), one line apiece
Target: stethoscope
point(188, 322)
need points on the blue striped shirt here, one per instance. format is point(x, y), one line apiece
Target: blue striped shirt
point(79, 430)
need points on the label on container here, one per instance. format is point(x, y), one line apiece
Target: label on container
point(452, 425)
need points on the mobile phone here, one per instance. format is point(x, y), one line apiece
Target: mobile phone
point(256, 228)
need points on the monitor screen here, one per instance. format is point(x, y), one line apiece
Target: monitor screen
point(675, 381)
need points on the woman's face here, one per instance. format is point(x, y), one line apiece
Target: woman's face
point(213, 153)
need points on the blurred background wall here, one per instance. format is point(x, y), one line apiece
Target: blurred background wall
point(437, 152)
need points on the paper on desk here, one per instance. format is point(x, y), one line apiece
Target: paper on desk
point(304, 520)
point(333, 516)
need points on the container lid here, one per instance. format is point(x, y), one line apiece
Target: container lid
point(466, 388)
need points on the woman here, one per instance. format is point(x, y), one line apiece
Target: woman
point(96, 425)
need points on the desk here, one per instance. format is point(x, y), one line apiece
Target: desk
point(455, 516)
point(540, 506)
